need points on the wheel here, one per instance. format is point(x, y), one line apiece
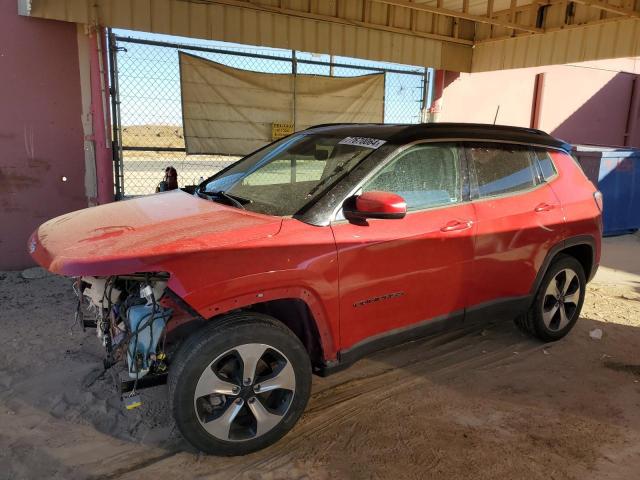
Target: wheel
point(239, 384)
point(558, 301)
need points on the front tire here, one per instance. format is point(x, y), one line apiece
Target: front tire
point(239, 384)
point(558, 301)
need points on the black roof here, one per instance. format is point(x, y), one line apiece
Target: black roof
point(405, 133)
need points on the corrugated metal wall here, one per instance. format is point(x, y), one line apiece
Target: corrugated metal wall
point(379, 31)
point(613, 39)
point(408, 38)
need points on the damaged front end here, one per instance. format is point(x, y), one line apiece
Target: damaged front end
point(130, 314)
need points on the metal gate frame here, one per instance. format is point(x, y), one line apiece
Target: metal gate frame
point(114, 48)
point(116, 140)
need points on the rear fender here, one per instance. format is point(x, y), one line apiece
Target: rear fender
point(587, 240)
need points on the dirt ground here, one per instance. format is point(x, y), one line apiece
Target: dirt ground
point(484, 403)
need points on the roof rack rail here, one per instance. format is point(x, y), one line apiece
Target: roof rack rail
point(508, 128)
point(337, 124)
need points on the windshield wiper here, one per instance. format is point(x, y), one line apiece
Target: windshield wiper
point(234, 199)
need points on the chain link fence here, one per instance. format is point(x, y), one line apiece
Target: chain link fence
point(147, 103)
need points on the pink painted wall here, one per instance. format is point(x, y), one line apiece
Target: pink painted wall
point(475, 98)
point(588, 104)
point(41, 134)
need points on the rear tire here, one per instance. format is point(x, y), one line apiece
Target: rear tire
point(558, 301)
point(239, 384)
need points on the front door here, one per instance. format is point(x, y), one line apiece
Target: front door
point(397, 274)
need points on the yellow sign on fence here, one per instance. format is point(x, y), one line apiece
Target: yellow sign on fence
point(281, 130)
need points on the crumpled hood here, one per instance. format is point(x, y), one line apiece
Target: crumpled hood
point(134, 235)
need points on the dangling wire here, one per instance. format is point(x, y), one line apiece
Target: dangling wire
point(78, 317)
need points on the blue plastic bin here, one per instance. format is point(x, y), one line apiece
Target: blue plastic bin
point(616, 173)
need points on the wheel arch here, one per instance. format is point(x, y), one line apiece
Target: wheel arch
point(295, 314)
point(584, 253)
point(582, 248)
point(298, 309)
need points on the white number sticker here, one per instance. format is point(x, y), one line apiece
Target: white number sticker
point(363, 142)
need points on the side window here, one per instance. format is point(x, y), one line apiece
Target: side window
point(546, 165)
point(500, 169)
point(425, 175)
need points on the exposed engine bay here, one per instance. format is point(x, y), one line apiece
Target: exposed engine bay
point(129, 319)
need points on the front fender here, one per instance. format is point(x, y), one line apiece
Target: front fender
point(300, 262)
point(322, 318)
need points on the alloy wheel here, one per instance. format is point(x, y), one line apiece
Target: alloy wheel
point(561, 299)
point(245, 392)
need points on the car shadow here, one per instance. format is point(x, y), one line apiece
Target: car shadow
point(481, 360)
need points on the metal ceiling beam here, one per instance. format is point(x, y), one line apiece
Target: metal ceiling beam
point(597, 4)
point(589, 3)
point(524, 7)
point(458, 14)
point(600, 5)
point(551, 30)
point(331, 19)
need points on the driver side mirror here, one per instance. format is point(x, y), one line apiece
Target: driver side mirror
point(384, 205)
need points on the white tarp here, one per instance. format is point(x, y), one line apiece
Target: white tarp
point(231, 111)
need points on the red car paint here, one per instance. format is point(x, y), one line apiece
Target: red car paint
point(429, 264)
point(386, 257)
point(575, 192)
point(228, 258)
point(381, 202)
point(512, 239)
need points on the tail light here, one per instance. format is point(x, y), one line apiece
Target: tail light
point(597, 196)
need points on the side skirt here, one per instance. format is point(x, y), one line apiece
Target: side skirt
point(496, 310)
point(503, 309)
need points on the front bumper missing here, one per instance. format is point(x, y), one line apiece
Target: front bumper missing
point(128, 385)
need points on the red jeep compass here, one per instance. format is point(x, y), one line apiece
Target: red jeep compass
point(318, 249)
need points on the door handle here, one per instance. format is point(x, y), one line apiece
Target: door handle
point(544, 207)
point(455, 225)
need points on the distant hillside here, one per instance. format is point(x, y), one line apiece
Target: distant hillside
point(152, 136)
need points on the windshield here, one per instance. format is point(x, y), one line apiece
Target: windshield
point(283, 177)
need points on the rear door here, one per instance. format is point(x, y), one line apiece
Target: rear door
point(395, 274)
point(519, 218)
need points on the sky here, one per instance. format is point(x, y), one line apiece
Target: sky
point(149, 79)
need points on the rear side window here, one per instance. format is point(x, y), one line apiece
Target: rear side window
point(500, 169)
